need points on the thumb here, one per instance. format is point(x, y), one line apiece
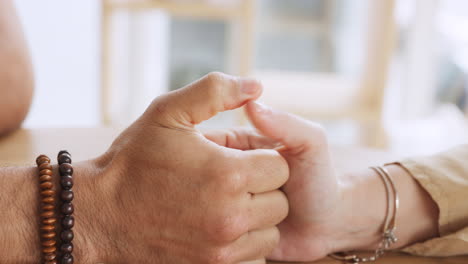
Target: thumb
point(203, 99)
point(296, 134)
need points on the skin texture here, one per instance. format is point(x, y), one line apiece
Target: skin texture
point(330, 212)
point(163, 193)
point(16, 77)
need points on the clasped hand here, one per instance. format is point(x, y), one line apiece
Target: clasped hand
point(172, 194)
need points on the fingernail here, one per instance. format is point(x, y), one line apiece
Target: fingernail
point(249, 86)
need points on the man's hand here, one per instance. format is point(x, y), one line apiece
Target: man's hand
point(169, 195)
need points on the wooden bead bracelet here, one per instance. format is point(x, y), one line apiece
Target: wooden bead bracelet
point(66, 209)
point(48, 221)
point(47, 211)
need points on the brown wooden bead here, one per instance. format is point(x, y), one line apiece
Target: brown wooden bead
point(46, 185)
point(64, 159)
point(66, 169)
point(66, 182)
point(49, 221)
point(67, 208)
point(51, 262)
point(48, 235)
point(68, 222)
point(67, 235)
point(48, 250)
point(42, 159)
point(66, 248)
point(47, 214)
point(48, 207)
point(45, 178)
point(67, 259)
point(46, 172)
point(67, 195)
point(47, 228)
point(48, 192)
point(49, 199)
point(50, 256)
point(48, 243)
point(63, 152)
point(45, 166)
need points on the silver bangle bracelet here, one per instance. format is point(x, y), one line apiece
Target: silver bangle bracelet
point(388, 232)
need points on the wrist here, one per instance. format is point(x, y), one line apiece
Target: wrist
point(19, 200)
point(92, 211)
point(364, 208)
point(365, 205)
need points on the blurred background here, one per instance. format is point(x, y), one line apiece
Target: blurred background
point(391, 74)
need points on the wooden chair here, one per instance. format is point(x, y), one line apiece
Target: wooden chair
point(330, 96)
point(239, 13)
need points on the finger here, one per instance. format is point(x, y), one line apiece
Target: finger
point(265, 170)
point(296, 134)
point(241, 138)
point(258, 261)
point(267, 209)
point(203, 99)
point(256, 244)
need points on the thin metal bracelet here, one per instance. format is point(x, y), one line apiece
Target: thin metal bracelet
point(388, 235)
point(396, 203)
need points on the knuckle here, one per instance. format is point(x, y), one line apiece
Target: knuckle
point(214, 82)
point(218, 84)
point(281, 204)
point(220, 255)
point(215, 76)
point(270, 244)
point(233, 182)
point(160, 105)
point(276, 238)
point(273, 162)
point(228, 227)
point(283, 169)
point(160, 110)
point(213, 85)
point(228, 179)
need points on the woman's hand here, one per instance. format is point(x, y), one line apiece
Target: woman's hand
point(314, 193)
point(169, 195)
point(329, 212)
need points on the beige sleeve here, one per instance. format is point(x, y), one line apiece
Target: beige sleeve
point(445, 177)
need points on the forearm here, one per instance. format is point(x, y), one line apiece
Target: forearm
point(417, 217)
point(16, 77)
point(19, 228)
